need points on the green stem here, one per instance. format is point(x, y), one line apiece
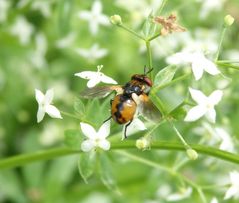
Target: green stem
point(23, 159)
point(149, 54)
point(227, 65)
point(154, 37)
point(186, 145)
point(220, 42)
point(69, 115)
point(166, 169)
point(131, 31)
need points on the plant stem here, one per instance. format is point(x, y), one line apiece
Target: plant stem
point(149, 55)
point(186, 145)
point(220, 42)
point(131, 31)
point(154, 37)
point(69, 115)
point(23, 159)
point(227, 65)
point(27, 158)
point(166, 169)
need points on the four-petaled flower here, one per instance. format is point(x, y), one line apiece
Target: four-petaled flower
point(93, 53)
point(198, 61)
point(95, 139)
point(95, 77)
point(233, 190)
point(205, 105)
point(44, 105)
point(95, 17)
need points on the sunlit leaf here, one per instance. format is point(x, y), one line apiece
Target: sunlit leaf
point(86, 165)
point(165, 75)
point(106, 173)
point(149, 27)
point(79, 107)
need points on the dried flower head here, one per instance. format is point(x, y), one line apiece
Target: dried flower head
point(169, 24)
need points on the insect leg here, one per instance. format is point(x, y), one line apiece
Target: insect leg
point(125, 129)
point(107, 119)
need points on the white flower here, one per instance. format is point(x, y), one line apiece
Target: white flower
point(43, 6)
point(95, 139)
point(233, 190)
point(4, 6)
point(134, 127)
point(209, 6)
point(38, 56)
point(22, 29)
point(95, 17)
point(183, 194)
point(216, 136)
point(205, 105)
point(214, 200)
point(44, 105)
point(94, 53)
point(66, 41)
point(198, 61)
point(95, 77)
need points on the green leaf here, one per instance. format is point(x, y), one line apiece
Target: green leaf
point(72, 138)
point(106, 173)
point(149, 27)
point(86, 165)
point(165, 75)
point(179, 112)
point(79, 107)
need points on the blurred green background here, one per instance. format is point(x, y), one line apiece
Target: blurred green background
point(39, 48)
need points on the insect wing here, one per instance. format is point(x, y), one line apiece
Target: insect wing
point(148, 109)
point(100, 92)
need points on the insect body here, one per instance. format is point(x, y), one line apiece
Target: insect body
point(130, 99)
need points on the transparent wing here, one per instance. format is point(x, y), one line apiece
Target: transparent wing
point(100, 92)
point(148, 109)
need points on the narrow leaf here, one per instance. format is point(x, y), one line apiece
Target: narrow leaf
point(79, 107)
point(165, 75)
point(106, 173)
point(149, 27)
point(86, 165)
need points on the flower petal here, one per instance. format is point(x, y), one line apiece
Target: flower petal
point(88, 130)
point(39, 96)
point(85, 15)
point(93, 82)
point(40, 114)
point(198, 96)
point(215, 97)
point(94, 26)
point(49, 96)
point(231, 192)
point(211, 115)
point(195, 113)
point(87, 74)
point(210, 67)
point(87, 145)
point(53, 111)
point(104, 130)
point(97, 7)
point(104, 144)
point(104, 20)
point(197, 69)
point(107, 79)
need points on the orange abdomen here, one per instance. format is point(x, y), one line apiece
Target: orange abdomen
point(123, 109)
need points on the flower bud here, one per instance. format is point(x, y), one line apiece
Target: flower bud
point(228, 20)
point(142, 143)
point(192, 154)
point(116, 20)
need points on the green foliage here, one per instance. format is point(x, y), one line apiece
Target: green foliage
point(73, 139)
point(86, 165)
